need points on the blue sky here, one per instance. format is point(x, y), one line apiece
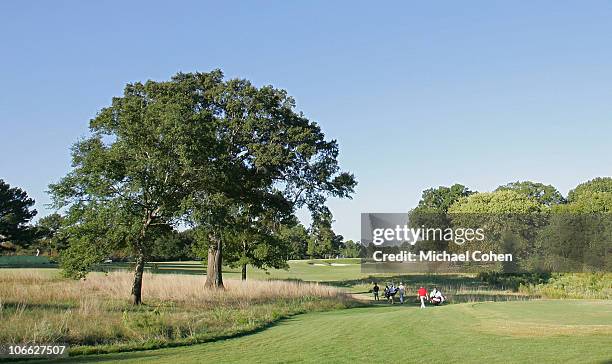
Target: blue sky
point(418, 94)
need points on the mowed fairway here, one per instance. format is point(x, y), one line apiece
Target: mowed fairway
point(551, 331)
point(307, 270)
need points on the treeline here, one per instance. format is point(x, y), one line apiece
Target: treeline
point(47, 238)
point(544, 230)
point(228, 160)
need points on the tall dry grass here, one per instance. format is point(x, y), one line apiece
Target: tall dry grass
point(189, 289)
point(42, 307)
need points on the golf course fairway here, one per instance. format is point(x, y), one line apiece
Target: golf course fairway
point(550, 331)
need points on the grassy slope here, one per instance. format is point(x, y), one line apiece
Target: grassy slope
point(545, 331)
point(533, 331)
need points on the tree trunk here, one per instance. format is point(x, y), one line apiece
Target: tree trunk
point(136, 296)
point(214, 277)
point(244, 266)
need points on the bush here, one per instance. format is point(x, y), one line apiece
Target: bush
point(513, 281)
point(574, 285)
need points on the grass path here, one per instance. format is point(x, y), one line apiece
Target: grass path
point(532, 331)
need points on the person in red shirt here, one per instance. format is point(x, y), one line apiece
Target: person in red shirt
point(422, 293)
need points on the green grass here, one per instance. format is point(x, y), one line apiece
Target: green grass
point(306, 270)
point(471, 331)
point(534, 331)
point(24, 261)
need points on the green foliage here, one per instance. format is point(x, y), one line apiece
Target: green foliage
point(228, 157)
point(52, 238)
point(590, 197)
point(173, 245)
point(579, 232)
point(323, 240)
point(591, 189)
point(15, 214)
point(131, 174)
point(499, 202)
point(432, 212)
point(511, 280)
point(575, 286)
point(576, 241)
point(270, 161)
point(546, 195)
point(94, 232)
point(297, 238)
point(510, 220)
point(351, 249)
point(440, 199)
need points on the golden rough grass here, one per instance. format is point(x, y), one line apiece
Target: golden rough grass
point(41, 307)
point(31, 287)
point(190, 289)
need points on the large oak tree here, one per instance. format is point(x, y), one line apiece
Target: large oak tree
point(269, 156)
point(131, 174)
point(198, 149)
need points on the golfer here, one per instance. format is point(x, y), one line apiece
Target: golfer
point(436, 297)
point(422, 294)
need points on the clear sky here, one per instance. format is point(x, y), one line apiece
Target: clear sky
point(418, 94)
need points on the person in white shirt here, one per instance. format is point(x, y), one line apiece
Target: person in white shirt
point(391, 293)
point(436, 297)
point(402, 291)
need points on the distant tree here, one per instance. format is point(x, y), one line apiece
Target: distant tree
point(51, 238)
point(15, 215)
point(323, 240)
point(510, 221)
point(592, 196)
point(431, 212)
point(575, 240)
point(498, 202)
point(544, 194)
point(351, 249)
point(296, 237)
point(578, 236)
point(173, 245)
point(441, 198)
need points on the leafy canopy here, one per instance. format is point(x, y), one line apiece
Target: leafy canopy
point(545, 194)
point(591, 196)
point(15, 214)
point(130, 176)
